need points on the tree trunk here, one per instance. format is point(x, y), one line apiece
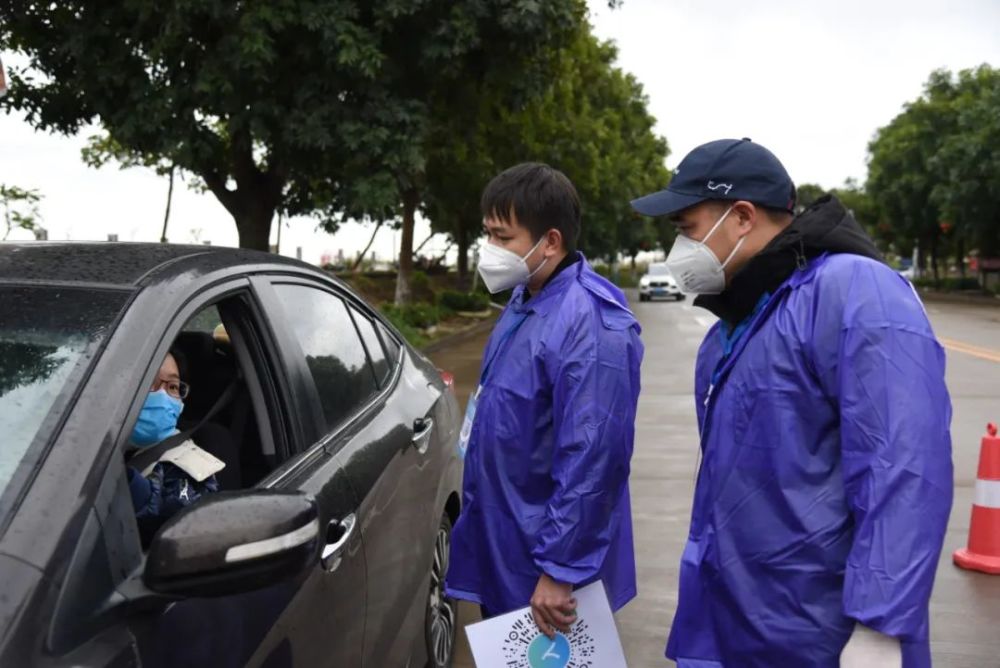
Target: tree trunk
point(254, 227)
point(361, 257)
point(170, 198)
point(277, 243)
point(258, 194)
point(462, 237)
point(934, 258)
point(961, 256)
point(410, 200)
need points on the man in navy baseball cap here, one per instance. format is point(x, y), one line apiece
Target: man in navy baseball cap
point(728, 198)
point(824, 493)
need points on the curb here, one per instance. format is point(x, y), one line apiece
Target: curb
point(458, 337)
point(957, 298)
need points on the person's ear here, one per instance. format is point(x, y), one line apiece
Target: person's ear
point(746, 215)
point(553, 242)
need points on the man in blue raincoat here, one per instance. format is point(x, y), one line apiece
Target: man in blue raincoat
point(826, 476)
point(549, 432)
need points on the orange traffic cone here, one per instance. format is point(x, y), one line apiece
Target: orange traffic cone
point(983, 553)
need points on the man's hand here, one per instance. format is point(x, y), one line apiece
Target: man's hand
point(553, 606)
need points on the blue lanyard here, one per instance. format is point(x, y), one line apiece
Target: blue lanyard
point(519, 320)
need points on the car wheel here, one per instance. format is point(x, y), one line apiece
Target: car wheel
point(681, 298)
point(643, 298)
point(442, 612)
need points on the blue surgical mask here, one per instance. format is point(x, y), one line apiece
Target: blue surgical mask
point(157, 419)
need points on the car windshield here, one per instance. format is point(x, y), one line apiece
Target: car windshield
point(658, 270)
point(47, 334)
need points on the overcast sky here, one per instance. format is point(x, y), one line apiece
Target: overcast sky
point(811, 80)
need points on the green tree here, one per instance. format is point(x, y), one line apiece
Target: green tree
point(307, 106)
point(857, 200)
point(590, 121)
point(934, 170)
point(429, 80)
point(806, 194)
point(20, 209)
point(899, 179)
point(967, 165)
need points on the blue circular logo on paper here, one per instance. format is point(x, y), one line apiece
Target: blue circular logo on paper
point(549, 653)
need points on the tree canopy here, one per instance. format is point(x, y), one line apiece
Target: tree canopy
point(282, 104)
point(934, 170)
point(590, 121)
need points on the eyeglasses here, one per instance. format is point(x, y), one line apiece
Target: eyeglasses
point(175, 388)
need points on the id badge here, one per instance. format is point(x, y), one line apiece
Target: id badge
point(470, 416)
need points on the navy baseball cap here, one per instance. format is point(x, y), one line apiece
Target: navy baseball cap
point(727, 169)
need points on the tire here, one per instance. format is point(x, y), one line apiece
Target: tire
point(643, 298)
point(441, 625)
point(681, 298)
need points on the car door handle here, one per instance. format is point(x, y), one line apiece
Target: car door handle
point(421, 433)
point(338, 532)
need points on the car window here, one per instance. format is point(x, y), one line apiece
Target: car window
point(658, 270)
point(391, 345)
point(340, 368)
point(207, 320)
point(46, 336)
point(375, 351)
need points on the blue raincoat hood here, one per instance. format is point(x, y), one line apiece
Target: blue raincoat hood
point(546, 473)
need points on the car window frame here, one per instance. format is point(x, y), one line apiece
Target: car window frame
point(328, 440)
point(113, 490)
point(356, 313)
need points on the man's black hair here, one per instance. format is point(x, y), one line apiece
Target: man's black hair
point(541, 198)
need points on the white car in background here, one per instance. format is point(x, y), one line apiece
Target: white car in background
point(659, 284)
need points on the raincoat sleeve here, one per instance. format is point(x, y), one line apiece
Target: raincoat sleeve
point(595, 390)
point(877, 358)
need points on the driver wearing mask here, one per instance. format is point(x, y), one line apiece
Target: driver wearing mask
point(182, 474)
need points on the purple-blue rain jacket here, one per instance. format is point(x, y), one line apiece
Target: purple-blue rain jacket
point(546, 472)
point(826, 481)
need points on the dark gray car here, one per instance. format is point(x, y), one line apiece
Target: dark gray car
point(329, 542)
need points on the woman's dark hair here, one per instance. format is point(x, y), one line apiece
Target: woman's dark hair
point(540, 197)
point(181, 359)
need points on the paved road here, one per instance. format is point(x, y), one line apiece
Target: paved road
point(965, 628)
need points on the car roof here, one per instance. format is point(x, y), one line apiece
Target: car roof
point(121, 264)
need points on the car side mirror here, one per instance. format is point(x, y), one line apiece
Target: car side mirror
point(234, 542)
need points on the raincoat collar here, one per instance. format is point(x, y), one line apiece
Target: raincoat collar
point(546, 299)
point(825, 227)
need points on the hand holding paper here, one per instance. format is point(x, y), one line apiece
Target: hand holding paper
point(513, 640)
point(553, 606)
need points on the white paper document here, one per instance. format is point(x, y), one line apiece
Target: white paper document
point(514, 641)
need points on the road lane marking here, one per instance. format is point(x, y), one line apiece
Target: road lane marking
point(969, 349)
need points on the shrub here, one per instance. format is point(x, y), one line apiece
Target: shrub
point(602, 269)
point(366, 286)
point(420, 315)
point(420, 287)
point(463, 301)
point(415, 337)
point(962, 284)
point(948, 284)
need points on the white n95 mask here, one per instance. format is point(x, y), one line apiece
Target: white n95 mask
point(502, 269)
point(695, 267)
